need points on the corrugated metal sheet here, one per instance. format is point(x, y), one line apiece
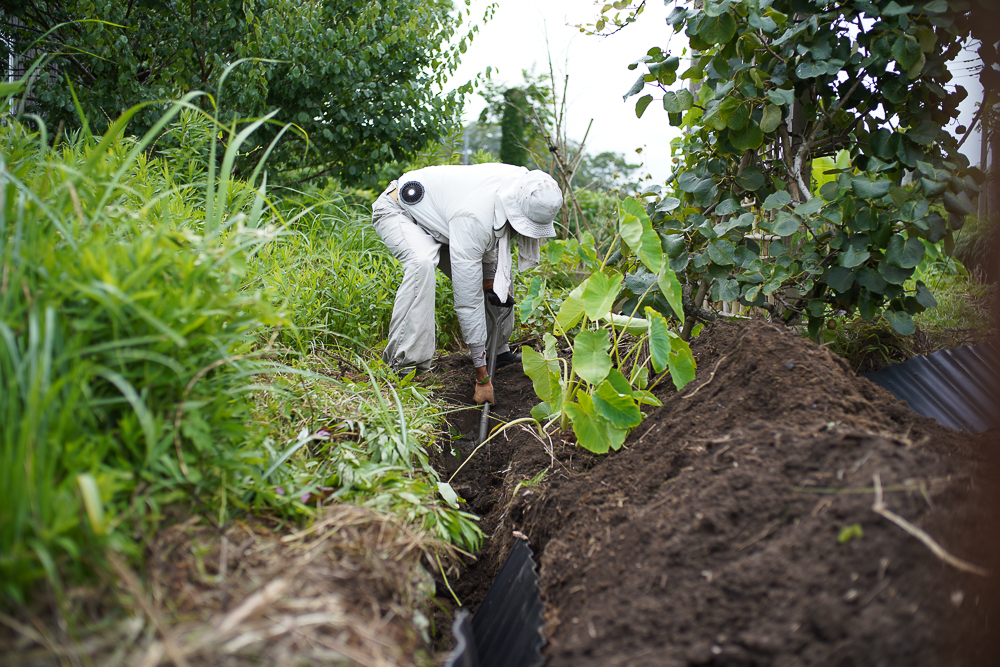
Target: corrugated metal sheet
point(506, 630)
point(959, 388)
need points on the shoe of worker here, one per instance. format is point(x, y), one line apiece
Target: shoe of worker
point(507, 358)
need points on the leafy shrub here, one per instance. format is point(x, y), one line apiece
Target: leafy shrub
point(600, 388)
point(777, 88)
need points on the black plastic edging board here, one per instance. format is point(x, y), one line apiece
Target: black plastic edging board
point(959, 388)
point(506, 630)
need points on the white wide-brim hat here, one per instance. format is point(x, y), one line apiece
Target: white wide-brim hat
point(530, 203)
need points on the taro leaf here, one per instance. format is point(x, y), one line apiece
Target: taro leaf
point(636, 87)
point(544, 374)
point(924, 296)
point(649, 250)
point(870, 190)
point(589, 428)
point(894, 274)
point(771, 118)
point(749, 138)
point(905, 254)
point(677, 101)
point(717, 29)
point(619, 382)
point(729, 290)
point(721, 252)
point(638, 283)
point(640, 377)
point(840, 278)
point(925, 132)
point(958, 204)
point(750, 178)
point(641, 104)
point(590, 355)
point(670, 287)
point(571, 310)
point(534, 298)
point(782, 97)
point(659, 340)
point(600, 293)
point(901, 321)
point(618, 408)
point(830, 191)
point(810, 207)
point(542, 411)
point(811, 69)
point(777, 200)
point(785, 224)
point(853, 257)
point(869, 278)
point(645, 397)
point(906, 51)
point(682, 364)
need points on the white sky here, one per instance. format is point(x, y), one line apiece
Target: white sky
point(515, 39)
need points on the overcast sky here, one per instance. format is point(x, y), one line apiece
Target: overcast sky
point(515, 39)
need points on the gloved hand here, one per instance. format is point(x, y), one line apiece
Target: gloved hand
point(495, 300)
point(484, 392)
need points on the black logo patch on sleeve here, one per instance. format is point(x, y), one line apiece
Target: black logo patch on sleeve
point(412, 192)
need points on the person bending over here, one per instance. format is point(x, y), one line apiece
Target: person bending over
point(461, 219)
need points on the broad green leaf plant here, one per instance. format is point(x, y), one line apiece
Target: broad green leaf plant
point(814, 160)
point(599, 389)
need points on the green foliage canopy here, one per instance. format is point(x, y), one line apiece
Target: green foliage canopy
point(775, 90)
point(362, 79)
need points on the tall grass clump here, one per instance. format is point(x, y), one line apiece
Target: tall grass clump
point(126, 344)
point(333, 275)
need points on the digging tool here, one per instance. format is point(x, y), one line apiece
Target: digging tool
point(496, 314)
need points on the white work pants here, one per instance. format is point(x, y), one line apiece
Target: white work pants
point(411, 330)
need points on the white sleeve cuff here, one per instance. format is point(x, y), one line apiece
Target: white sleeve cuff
point(478, 353)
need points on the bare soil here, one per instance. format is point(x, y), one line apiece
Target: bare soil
point(714, 536)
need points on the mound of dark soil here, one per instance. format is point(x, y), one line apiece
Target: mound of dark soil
point(736, 526)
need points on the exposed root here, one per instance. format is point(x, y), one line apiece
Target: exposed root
point(939, 551)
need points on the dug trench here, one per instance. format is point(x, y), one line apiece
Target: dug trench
point(736, 525)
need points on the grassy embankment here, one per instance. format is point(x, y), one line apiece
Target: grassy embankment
point(172, 343)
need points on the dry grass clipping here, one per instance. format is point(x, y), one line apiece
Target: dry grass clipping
point(345, 591)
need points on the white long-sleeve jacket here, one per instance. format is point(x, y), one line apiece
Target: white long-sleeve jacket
point(457, 204)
